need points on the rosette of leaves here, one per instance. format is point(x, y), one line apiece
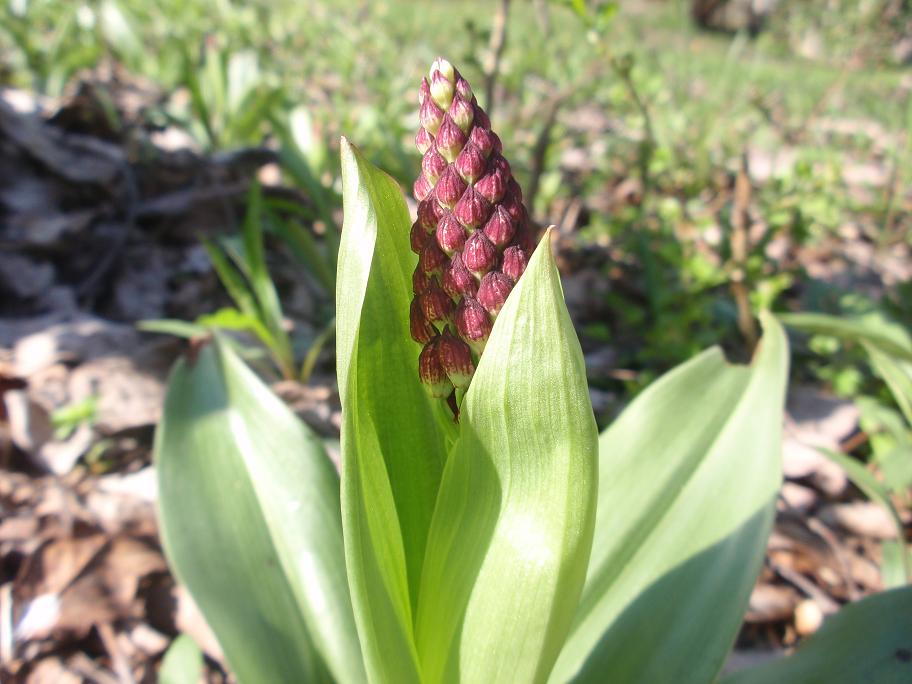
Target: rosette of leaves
point(516, 545)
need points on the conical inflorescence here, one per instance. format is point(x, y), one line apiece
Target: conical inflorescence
point(473, 236)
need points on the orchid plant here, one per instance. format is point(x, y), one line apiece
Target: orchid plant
point(479, 529)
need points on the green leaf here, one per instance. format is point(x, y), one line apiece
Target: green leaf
point(688, 480)
point(897, 373)
point(869, 641)
point(873, 328)
point(183, 662)
point(249, 507)
point(875, 491)
point(394, 437)
point(512, 531)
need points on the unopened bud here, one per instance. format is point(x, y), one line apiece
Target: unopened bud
point(493, 291)
point(479, 255)
point(441, 90)
point(450, 234)
point(483, 138)
point(422, 188)
point(424, 91)
point(431, 372)
point(500, 228)
point(450, 139)
point(432, 259)
point(420, 280)
point(515, 261)
point(417, 237)
point(422, 331)
point(430, 116)
point(436, 305)
point(423, 140)
point(470, 163)
point(457, 280)
point(432, 165)
point(472, 210)
point(461, 113)
point(427, 218)
point(473, 323)
point(464, 89)
point(492, 185)
point(444, 67)
point(449, 188)
point(456, 359)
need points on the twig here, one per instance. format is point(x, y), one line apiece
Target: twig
point(495, 52)
point(739, 250)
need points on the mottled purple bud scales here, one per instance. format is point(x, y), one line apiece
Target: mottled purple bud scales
point(472, 234)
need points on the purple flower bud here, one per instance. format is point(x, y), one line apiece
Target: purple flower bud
point(513, 187)
point(449, 188)
point(442, 89)
point(515, 261)
point(473, 323)
point(450, 139)
point(482, 137)
point(457, 281)
point(479, 255)
point(431, 372)
point(450, 234)
point(436, 305)
point(432, 165)
point(481, 118)
point(456, 359)
point(524, 238)
point(422, 188)
point(432, 259)
point(417, 237)
point(492, 185)
point(464, 89)
point(472, 210)
point(424, 90)
point(422, 331)
point(461, 113)
point(431, 116)
point(493, 292)
point(423, 140)
point(514, 207)
point(427, 218)
point(420, 281)
point(500, 228)
point(470, 163)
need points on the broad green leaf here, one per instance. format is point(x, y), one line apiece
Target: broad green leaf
point(249, 507)
point(512, 531)
point(394, 437)
point(869, 641)
point(873, 328)
point(688, 480)
point(183, 662)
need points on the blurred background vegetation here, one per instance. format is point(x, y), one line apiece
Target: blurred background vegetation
point(629, 124)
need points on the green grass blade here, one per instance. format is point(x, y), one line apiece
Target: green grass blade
point(897, 373)
point(869, 641)
point(250, 519)
point(512, 531)
point(394, 437)
point(872, 328)
point(875, 491)
point(688, 480)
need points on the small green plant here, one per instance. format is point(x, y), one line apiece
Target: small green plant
point(888, 347)
point(514, 544)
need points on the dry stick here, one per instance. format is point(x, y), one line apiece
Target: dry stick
point(495, 52)
point(739, 250)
